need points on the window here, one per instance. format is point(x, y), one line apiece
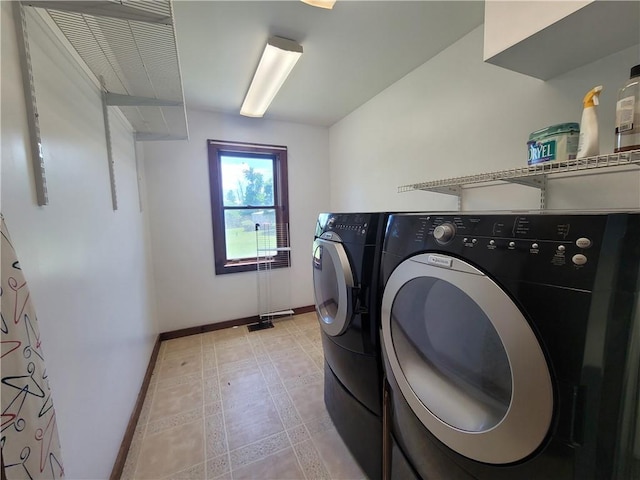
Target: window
point(248, 185)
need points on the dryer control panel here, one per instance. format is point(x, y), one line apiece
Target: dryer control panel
point(557, 249)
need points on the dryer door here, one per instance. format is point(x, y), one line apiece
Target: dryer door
point(332, 285)
point(466, 359)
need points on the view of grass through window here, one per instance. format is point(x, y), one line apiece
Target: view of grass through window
point(247, 183)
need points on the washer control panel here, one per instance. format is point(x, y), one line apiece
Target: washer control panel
point(561, 249)
point(350, 227)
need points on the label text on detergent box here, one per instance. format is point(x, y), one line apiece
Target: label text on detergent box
point(542, 151)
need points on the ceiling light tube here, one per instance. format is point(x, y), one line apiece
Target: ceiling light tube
point(321, 3)
point(278, 59)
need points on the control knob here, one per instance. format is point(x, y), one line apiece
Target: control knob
point(444, 233)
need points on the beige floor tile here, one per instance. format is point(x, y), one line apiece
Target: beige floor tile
point(209, 359)
point(309, 401)
point(336, 456)
point(211, 390)
point(171, 451)
point(208, 338)
point(276, 388)
point(247, 363)
point(299, 381)
point(182, 343)
point(310, 461)
point(215, 437)
point(296, 365)
point(233, 354)
point(255, 451)
point(197, 472)
point(286, 352)
point(240, 383)
point(278, 344)
point(180, 380)
point(224, 476)
point(238, 342)
point(270, 373)
point(184, 352)
point(319, 425)
point(306, 319)
point(282, 465)
point(286, 410)
point(175, 400)
point(170, 421)
point(259, 351)
point(179, 366)
point(218, 466)
point(312, 334)
point(252, 422)
point(213, 408)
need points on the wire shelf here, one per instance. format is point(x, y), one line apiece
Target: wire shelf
point(533, 175)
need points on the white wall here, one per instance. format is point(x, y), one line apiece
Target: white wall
point(188, 291)
point(86, 265)
point(455, 116)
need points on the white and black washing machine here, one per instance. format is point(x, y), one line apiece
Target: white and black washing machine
point(346, 260)
point(510, 345)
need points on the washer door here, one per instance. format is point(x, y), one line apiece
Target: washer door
point(332, 284)
point(466, 359)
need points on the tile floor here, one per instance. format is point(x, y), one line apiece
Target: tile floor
point(234, 404)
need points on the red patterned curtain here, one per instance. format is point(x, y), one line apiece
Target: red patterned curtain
point(29, 441)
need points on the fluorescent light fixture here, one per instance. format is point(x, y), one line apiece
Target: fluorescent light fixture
point(321, 3)
point(278, 59)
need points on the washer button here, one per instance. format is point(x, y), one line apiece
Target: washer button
point(579, 259)
point(583, 242)
point(535, 246)
point(561, 248)
point(492, 242)
point(512, 244)
point(474, 241)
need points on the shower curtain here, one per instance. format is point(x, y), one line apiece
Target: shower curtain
point(29, 436)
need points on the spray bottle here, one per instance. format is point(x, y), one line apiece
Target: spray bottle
point(589, 144)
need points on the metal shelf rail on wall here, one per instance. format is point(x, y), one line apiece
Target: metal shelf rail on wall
point(273, 259)
point(533, 176)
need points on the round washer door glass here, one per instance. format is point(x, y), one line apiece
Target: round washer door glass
point(466, 359)
point(457, 348)
point(332, 282)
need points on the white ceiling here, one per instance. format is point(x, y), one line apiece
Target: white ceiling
point(351, 53)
